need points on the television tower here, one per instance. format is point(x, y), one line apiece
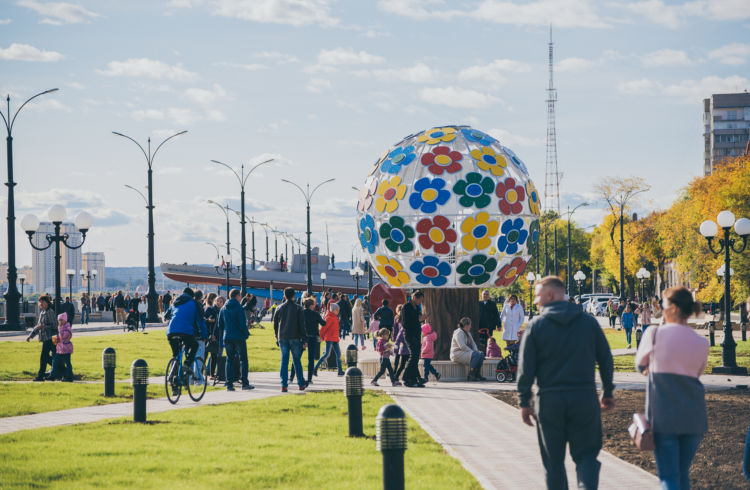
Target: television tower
point(552, 175)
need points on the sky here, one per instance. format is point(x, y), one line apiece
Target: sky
point(325, 87)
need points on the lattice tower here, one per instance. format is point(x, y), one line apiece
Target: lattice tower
point(552, 175)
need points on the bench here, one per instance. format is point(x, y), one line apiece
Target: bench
point(449, 370)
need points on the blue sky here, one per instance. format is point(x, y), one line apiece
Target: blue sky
point(327, 86)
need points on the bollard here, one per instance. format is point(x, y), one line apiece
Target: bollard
point(108, 363)
point(351, 356)
point(743, 327)
point(139, 380)
point(711, 327)
point(390, 432)
point(354, 391)
point(638, 336)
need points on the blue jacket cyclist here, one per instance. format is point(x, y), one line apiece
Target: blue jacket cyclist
point(185, 325)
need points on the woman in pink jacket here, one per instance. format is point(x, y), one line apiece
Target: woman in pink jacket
point(428, 352)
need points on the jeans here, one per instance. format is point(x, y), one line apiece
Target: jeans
point(628, 332)
point(746, 462)
point(143, 324)
point(385, 365)
point(336, 350)
point(477, 359)
point(429, 369)
point(612, 321)
point(85, 315)
point(200, 352)
point(45, 357)
point(61, 367)
point(400, 364)
point(233, 347)
point(673, 454)
point(295, 347)
point(360, 337)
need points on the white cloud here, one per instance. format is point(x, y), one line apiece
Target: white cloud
point(244, 66)
point(169, 170)
point(731, 54)
point(48, 104)
point(374, 33)
point(163, 133)
point(563, 13)
point(419, 73)
point(666, 57)
point(277, 57)
point(59, 13)
point(512, 140)
point(573, 65)
point(638, 87)
point(491, 72)
point(25, 52)
point(457, 97)
point(675, 15)
point(207, 97)
point(317, 85)
point(76, 85)
point(689, 91)
point(151, 114)
point(148, 68)
point(290, 12)
point(331, 59)
point(4, 22)
point(182, 117)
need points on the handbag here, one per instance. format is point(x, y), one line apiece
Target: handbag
point(641, 431)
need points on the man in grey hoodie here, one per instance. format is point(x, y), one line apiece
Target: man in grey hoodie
point(560, 350)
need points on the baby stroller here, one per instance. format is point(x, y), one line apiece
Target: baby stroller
point(131, 322)
point(506, 368)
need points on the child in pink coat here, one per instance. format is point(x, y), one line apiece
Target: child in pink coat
point(428, 352)
point(61, 366)
point(493, 350)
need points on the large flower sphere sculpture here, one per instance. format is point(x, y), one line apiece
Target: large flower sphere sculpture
point(448, 207)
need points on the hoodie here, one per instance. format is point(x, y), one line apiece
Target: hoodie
point(232, 321)
point(186, 317)
point(64, 345)
point(560, 350)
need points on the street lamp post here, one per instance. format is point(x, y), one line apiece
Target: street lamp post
point(567, 266)
point(88, 275)
point(21, 279)
point(531, 277)
point(152, 316)
point(579, 277)
point(11, 295)
point(242, 179)
point(57, 214)
point(71, 273)
point(643, 275)
point(357, 274)
point(709, 229)
point(308, 195)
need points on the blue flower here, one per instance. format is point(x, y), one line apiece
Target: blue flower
point(478, 137)
point(516, 160)
point(431, 270)
point(368, 238)
point(428, 194)
point(400, 157)
point(512, 235)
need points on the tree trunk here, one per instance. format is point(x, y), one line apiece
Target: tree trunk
point(445, 308)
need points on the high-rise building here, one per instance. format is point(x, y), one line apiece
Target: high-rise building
point(726, 122)
point(43, 262)
point(94, 261)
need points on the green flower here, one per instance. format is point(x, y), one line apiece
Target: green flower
point(397, 235)
point(474, 190)
point(477, 270)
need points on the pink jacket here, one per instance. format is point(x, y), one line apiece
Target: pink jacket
point(64, 345)
point(493, 350)
point(428, 345)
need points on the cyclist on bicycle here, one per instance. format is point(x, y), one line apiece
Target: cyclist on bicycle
point(186, 323)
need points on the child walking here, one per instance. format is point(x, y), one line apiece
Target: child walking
point(385, 349)
point(428, 352)
point(627, 320)
point(61, 367)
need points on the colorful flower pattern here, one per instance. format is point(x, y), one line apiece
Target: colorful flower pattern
point(512, 236)
point(389, 193)
point(510, 272)
point(437, 234)
point(489, 160)
point(398, 158)
point(477, 270)
point(442, 159)
point(368, 237)
point(519, 163)
point(366, 194)
point(533, 198)
point(428, 194)
point(392, 271)
point(511, 196)
point(476, 136)
point(474, 190)
point(533, 233)
point(478, 231)
point(397, 235)
point(436, 135)
point(431, 270)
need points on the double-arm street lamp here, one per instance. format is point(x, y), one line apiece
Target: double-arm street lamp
point(57, 214)
point(242, 179)
point(11, 295)
point(568, 266)
point(357, 274)
point(323, 280)
point(88, 275)
point(643, 275)
point(225, 265)
point(579, 276)
point(531, 277)
point(152, 315)
point(308, 195)
point(709, 229)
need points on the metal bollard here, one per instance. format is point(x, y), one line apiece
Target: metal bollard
point(108, 363)
point(139, 380)
point(743, 327)
point(390, 432)
point(638, 336)
point(354, 391)
point(351, 356)
point(711, 328)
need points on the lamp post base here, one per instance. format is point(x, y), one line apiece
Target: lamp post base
point(736, 370)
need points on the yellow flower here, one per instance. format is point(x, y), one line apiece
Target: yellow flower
point(436, 135)
point(392, 271)
point(389, 192)
point(478, 231)
point(533, 197)
point(490, 161)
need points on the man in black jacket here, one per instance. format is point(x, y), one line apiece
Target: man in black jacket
point(489, 319)
point(560, 351)
point(411, 319)
point(119, 304)
point(384, 315)
point(289, 328)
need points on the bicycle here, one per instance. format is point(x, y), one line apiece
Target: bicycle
point(175, 378)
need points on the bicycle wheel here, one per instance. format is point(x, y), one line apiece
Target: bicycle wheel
point(210, 359)
point(197, 381)
point(171, 381)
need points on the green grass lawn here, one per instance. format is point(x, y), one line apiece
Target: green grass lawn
point(627, 363)
point(21, 359)
point(281, 442)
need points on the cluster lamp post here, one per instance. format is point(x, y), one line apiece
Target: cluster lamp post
point(579, 276)
point(88, 275)
point(357, 274)
point(643, 275)
point(709, 229)
point(225, 266)
point(531, 277)
point(567, 266)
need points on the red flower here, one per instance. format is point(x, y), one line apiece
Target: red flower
point(442, 159)
point(436, 233)
point(511, 196)
point(510, 272)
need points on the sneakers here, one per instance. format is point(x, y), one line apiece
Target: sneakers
point(230, 388)
point(247, 387)
point(374, 383)
point(341, 373)
point(364, 347)
point(437, 376)
point(628, 346)
point(284, 389)
point(396, 383)
point(302, 388)
point(38, 378)
point(315, 372)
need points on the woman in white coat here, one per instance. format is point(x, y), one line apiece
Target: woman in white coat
point(512, 318)
point(464, 350)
